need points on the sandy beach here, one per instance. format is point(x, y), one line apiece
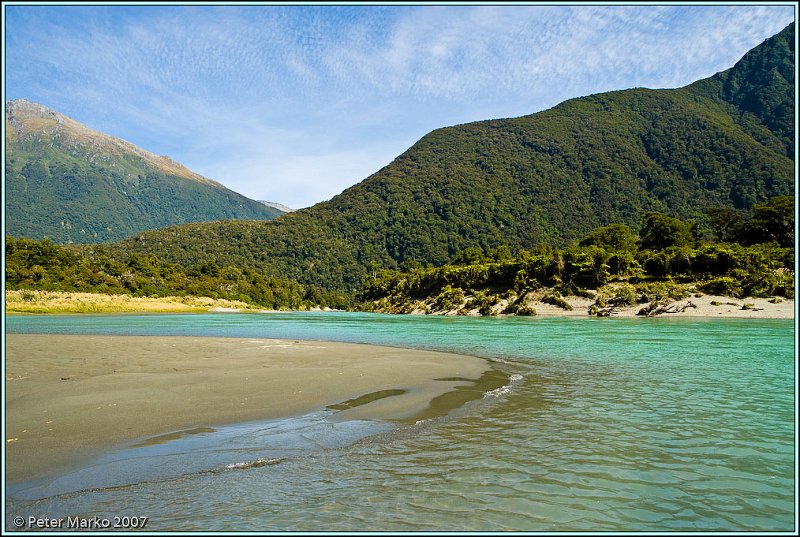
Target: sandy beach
point(692, 306)
point(701, 306)
point(70, 397)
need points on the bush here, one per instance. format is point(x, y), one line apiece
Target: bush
point(725, 286)
point(487, 309)
point(555, 298)
point(449, 298)
point(27, 296)
point(482, 301)
point(619, 295)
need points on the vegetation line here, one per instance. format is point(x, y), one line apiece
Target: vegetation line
point(612, 265)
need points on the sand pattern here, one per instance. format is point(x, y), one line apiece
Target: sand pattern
point(70, 397)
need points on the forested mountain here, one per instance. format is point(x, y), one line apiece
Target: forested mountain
point(550, 178)
point(70, 183)
point(761, 87)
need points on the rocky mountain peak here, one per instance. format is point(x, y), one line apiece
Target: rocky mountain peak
point(32, 122)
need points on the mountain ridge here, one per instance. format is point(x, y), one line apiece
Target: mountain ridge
point(71, 183)
point(544, 178)
point(22, 116)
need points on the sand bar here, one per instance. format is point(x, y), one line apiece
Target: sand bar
point(70, 397)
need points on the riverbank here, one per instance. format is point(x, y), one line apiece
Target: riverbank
point(548, 304)
point(70, 397)
point(28, 301)
point(693, 306)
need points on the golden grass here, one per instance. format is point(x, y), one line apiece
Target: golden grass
point(26, 301)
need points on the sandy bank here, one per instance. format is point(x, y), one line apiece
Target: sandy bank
point(694, 306)
point(69, 397)
point(67, 302)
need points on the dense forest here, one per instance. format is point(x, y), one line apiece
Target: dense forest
point(544, 179)
point(44, 265)
point(751, 256)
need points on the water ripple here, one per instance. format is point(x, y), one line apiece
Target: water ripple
point(669, 425)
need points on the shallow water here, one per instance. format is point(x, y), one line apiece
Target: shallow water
point(608, 425)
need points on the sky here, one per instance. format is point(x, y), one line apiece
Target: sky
point(295, 103)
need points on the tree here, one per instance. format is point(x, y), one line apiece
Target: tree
point(469, 256)
point(501, 253)
point(772, 221)
point(617, 239)
point(660, 231)
point(726, 223)
point(613, 238)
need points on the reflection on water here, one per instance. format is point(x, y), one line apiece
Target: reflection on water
point(595, 425)
point(235, 447)
point(164, 438)
point(366, 399)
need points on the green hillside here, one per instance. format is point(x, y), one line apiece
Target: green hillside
point(547, 178)
point(71, 184)
point(753, 256)
point(761, 87)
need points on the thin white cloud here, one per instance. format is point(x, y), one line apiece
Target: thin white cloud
point(312, 98)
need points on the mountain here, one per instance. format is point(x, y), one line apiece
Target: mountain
point(279, 206)
point(70, 183)
point(761, 87)
point(550, 177)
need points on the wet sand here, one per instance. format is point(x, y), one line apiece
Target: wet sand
point(70, 397)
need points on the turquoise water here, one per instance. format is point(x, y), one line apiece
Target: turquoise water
point(671, 424)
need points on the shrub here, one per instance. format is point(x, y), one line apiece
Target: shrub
point(620, 295)
point(487, 309)
point(482, 301)
point(725, 286)
point(27, 295)
point(449, 298)
point(526, 311)
point(555, 298)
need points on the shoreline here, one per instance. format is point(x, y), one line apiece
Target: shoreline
point(71, 397)
point(703, 306)
point(60, 302)
point(713, 306)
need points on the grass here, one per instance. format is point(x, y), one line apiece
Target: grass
point(27, 301)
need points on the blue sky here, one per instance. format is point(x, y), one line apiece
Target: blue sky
point(296, 103)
